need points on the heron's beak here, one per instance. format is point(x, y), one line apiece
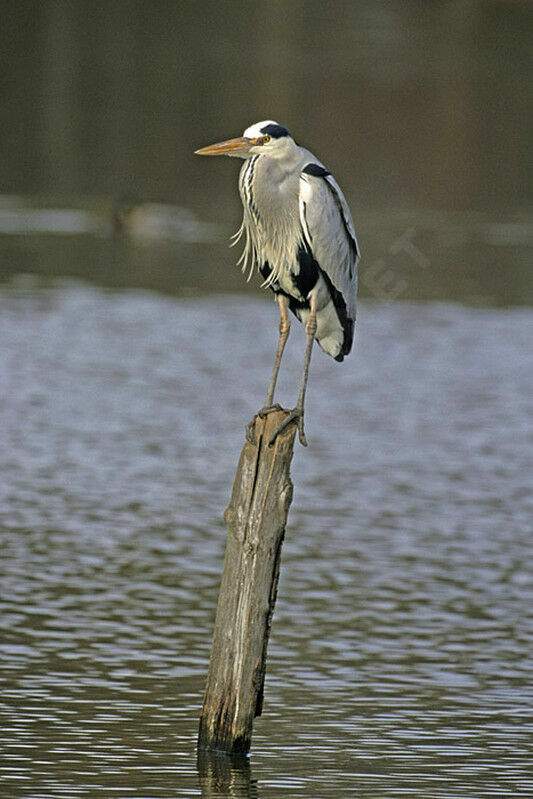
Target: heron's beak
point(240, 146)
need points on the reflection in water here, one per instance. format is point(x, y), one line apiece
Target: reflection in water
point(221, 776)
point(400, 654)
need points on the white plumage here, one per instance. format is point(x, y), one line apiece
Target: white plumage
point(298, 232)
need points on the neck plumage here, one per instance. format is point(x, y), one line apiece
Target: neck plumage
point(271, 220)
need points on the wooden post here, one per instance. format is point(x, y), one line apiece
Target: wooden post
point(256, 519)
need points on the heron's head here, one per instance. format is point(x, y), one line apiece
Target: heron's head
point(264, 138)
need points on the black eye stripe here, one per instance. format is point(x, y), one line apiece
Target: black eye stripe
point(275, 131)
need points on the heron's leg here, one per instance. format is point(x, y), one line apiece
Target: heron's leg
point(298, 412)
point(284, 329)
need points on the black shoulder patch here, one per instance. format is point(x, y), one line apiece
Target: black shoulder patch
point(316, 171)
point(276, 131)
point(306, 279)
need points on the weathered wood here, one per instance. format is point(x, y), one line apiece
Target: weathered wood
point(256, 519)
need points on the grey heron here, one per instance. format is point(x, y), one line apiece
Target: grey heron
point(298, 232)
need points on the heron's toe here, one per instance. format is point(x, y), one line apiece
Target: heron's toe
point(301, 434)
point(266, 409)
point(295, 415)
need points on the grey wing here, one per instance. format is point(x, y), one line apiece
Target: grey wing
point(328, 228)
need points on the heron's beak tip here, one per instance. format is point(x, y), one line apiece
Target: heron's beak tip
point(230, 147)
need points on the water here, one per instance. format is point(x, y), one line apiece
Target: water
point(400, 659)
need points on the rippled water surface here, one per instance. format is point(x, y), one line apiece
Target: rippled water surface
point(401, 651)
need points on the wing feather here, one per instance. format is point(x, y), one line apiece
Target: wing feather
point(329, 230)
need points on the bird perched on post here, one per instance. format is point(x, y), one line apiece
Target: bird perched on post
point(299, 233)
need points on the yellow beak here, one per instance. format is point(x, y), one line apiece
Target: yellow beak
point(239, 146)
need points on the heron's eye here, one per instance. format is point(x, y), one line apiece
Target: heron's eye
point(265, 139)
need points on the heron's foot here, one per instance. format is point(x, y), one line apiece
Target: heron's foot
point(264, 411)
point(296, 415)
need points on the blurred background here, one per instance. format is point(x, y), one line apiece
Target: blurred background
point(132, 354)
point(422, 111)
